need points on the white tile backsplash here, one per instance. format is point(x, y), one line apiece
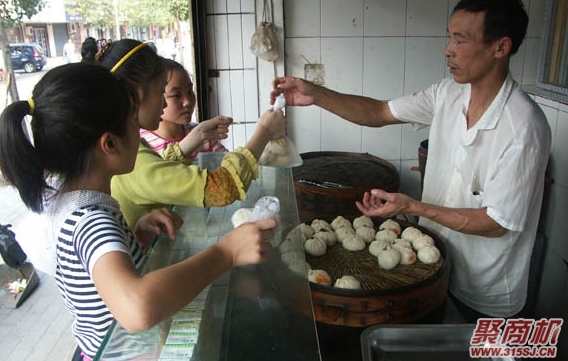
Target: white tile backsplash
point(221, 41)
point(426, 18)
point(552, 286)
point(424, 63)
point(383, 67)
point(385, 18)
point(296, 50)
point(555, 225)
point(233, 6)
point(516, 64)
point(304, 128)
point(531, 61)
point(411, 141)
point(249, 60)
point(382, 142)
point(410, 179)
point(247, 6)
point(536, 18)
point(451, 5)
point(560, 151)
point(302, 18)
point(343, 61)
point(551, 115)
point(339, 135)
point(235, 41)
point(342, 18)
point(220, 6)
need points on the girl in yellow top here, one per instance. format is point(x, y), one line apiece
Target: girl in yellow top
point(156, 182)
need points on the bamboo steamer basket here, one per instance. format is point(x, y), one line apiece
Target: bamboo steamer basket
point(356, 173)
point(400, 295)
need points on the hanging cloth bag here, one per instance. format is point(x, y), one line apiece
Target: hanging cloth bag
point(263, 43)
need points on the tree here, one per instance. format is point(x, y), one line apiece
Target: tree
point(180, 10)
point(97, 13)
point(11, 13)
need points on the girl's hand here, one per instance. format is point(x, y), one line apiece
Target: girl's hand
point(154, 223)
point(383, 204)
point(249, 243)
point(273, 123)
point(213, 129)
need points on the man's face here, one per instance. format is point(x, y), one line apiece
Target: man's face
point(468, 56)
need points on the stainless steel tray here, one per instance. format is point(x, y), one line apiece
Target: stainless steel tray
point(417, 342)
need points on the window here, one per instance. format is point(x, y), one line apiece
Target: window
point(553, 69)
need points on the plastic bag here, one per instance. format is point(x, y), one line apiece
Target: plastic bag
point(281, 152)
point(10, 250)
point(263, 43)
point(266, 207)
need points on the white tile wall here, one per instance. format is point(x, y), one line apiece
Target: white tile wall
point(425, 62)
point(247, 6)
point(410, 179)
point(551, 116)
point(343, 60)
point(536, 18)
point(304, 128)
point(552, 284)
point(385, 18)
point(296, 50)
point(219, 6)
point(411, 139)
point(555, 225)
point(221, 41)
point(383, 67)
point(342, 18)
point(426, 18)
point(451, 5)
point(516, 64)
point(531, 60)
point(248, 24)
point(382, 142)
point(302, 18)
point(234, 25)
point(233, 6)
point(560, 151)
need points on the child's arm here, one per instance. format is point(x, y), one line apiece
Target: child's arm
point(212, 129)
point(140, 302)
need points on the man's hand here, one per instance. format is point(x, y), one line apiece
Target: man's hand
point(383, 204)
point(154, 223)
point(296, 91)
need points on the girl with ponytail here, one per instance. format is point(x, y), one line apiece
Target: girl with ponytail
point(81, 125)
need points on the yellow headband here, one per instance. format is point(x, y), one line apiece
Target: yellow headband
point(128, 55)
point(32, 105)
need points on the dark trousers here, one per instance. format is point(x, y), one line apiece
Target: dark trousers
point(77, 355)
point(471, 316)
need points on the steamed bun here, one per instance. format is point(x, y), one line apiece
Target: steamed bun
point(340, 222)
point(362, 221)
point(389, 258)
point(386, 235)
point(347, 282)
point(328, 237)
point(315, 247)
point(411, 233)
point(392, 225)
point(319, 276)
point(321, 225)
point(353, 243)
point(367, 234)
point(429, 254)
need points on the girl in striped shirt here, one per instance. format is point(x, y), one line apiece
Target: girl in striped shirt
point(81, 124)
point(176, 120)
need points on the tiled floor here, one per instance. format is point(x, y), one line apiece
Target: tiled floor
point(40, 329)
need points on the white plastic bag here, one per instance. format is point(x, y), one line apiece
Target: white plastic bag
point(281, 152)
point(266, 207)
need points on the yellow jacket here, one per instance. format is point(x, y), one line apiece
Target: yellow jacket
point(156, 182)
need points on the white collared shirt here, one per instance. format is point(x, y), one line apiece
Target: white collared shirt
point(499, 163)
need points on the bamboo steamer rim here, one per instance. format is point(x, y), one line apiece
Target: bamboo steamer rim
point(394, 176)
point(403, 289)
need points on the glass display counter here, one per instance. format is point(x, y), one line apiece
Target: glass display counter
point(260, 312)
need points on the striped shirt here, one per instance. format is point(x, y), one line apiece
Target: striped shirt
point(88, 233)
point(159, 144)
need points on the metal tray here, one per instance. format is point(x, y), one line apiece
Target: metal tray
point(417, 342)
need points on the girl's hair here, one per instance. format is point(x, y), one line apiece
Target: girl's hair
point(171, 65)
point(74, 105)
point(88, 50)
point(139, 68)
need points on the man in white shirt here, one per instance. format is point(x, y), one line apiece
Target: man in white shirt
point(488, 148)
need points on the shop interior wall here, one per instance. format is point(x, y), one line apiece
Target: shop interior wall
point(381, 49)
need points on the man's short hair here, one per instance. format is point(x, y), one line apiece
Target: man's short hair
point(502, 18)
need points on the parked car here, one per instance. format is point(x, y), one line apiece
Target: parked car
point(29, 57)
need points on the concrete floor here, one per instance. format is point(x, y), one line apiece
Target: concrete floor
point(40, 329)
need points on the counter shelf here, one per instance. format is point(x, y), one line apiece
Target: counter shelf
point(261, 312)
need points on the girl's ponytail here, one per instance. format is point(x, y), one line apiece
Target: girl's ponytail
point(19, 161)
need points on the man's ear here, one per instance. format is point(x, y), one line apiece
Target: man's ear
point(107, 143)
point(503, 47)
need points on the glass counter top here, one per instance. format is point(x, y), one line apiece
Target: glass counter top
point(260, 312)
